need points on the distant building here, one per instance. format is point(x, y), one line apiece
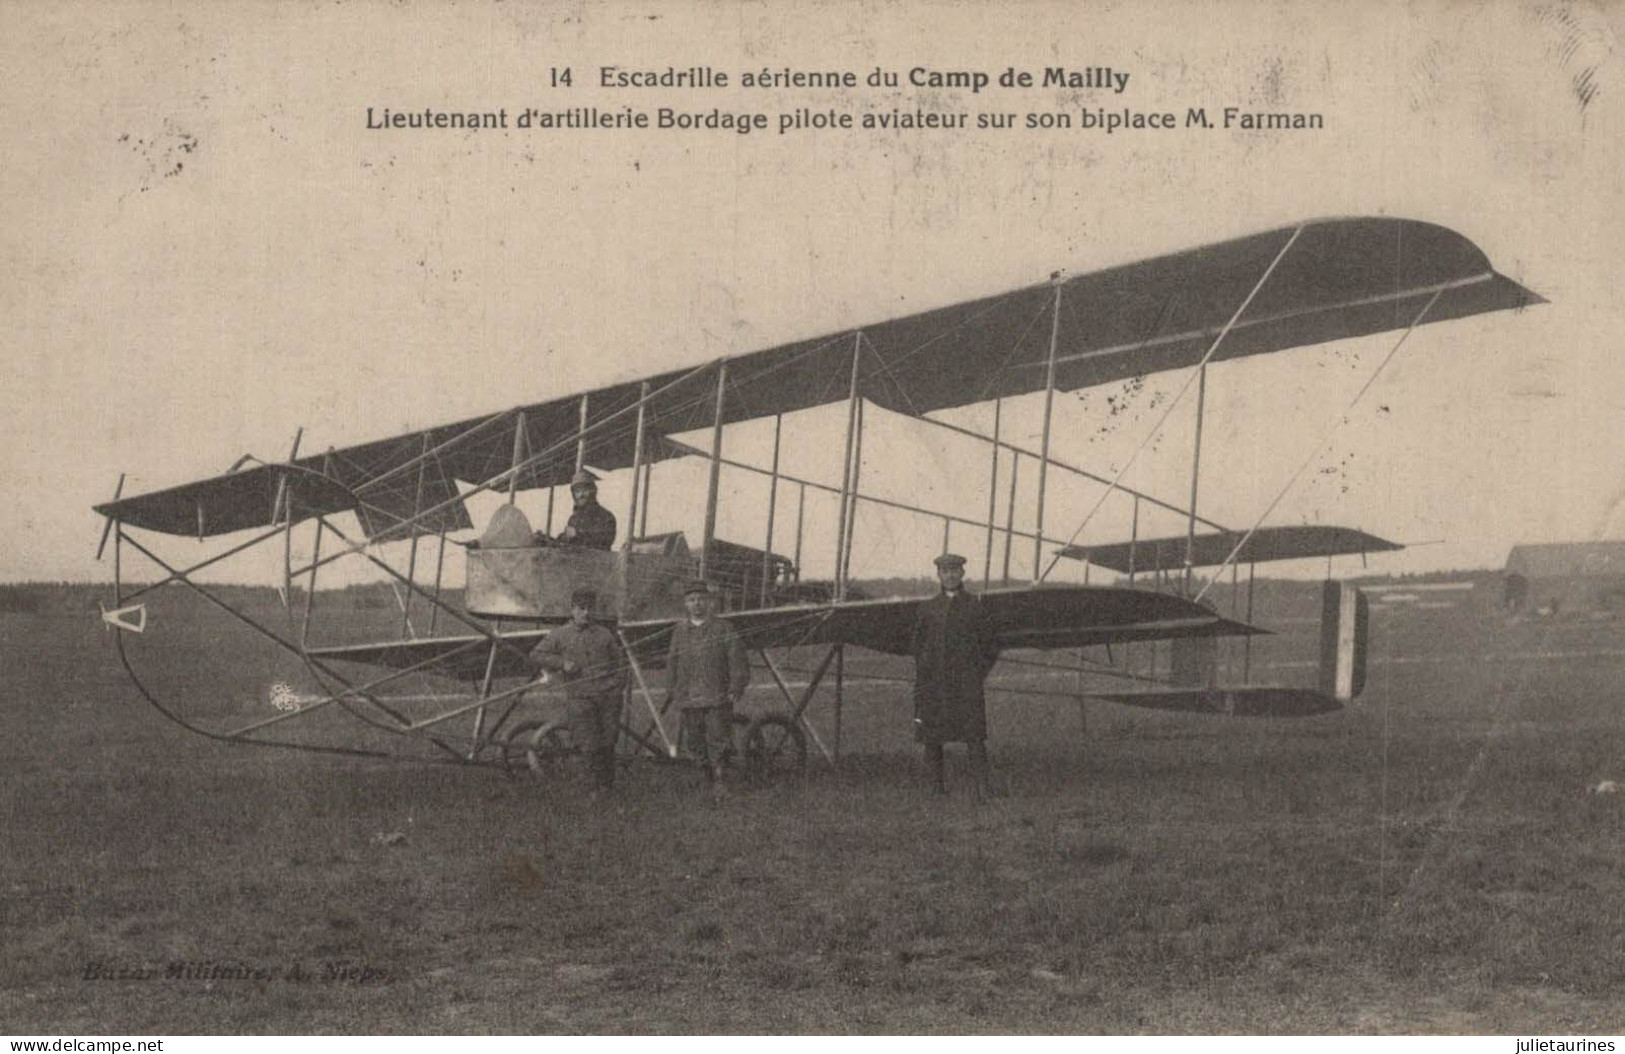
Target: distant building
point(1568, 576)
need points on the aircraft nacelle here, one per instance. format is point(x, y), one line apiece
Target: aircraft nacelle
point(511, 576)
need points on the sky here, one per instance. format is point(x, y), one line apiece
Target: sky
point(207, 249)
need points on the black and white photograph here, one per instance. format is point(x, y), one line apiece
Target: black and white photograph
point(730, 518)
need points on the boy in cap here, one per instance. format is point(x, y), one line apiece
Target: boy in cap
point(590, 524)
point(706, 673)
point(954, 649)
point(588, 657)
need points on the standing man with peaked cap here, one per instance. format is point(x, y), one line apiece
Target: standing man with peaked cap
point(590, 524)
point(954, 648)
point(706, 674)
point(588, 657)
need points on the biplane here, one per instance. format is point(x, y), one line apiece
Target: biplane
point(378, 504)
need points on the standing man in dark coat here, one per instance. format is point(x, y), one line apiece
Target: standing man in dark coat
point(954, 648)
point(590, 524)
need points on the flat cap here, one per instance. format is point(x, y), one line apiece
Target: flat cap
point(950, 560)
point(583, 476)
point(697, 585)
point(583, 598)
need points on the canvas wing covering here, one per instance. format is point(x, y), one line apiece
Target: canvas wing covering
point(1339, 278)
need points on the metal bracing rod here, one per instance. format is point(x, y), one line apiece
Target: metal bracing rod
point(1265, 320)
point(478, 706)
point(826, 488)
point(1049, 410)
point(439, 568)
point(485, 694)
point(439, 448)
point(171, 715)
point(1056, 462)
point(176, 576)
point(1315, 451)
point(550, 491)
point(287, 549)
point(1010, 514)
point(846, 466)
point(801, 519)
point(852, 503)
point(270, 634)
point(282, 478)
point(519, 444)
point(648, 488)
point(715, 480)
point(357, 691)
point(637, 466)
point(947, 526)
point(310, 589)
point(772, 508)
point(412, 557)
point(648, 696)
point(581, 433)
point(1206, 358)
point(992, 493)
point(1196, 473)
point(483, 631)
point(502, 477)
point(798, 710)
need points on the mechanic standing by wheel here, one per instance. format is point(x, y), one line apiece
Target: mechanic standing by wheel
point(593, 670)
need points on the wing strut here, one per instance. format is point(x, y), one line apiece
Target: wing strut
point(846, 468)
point(1316, 450)
point(1049, 411)
point(715, 477)
point(648, 696)
point(1206, 358)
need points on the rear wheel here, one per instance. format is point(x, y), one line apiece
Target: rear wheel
point(774, 749)
point(548, 750)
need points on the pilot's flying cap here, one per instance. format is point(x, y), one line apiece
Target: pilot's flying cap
point(583, 476)
point(697, 585)
point(949, 560)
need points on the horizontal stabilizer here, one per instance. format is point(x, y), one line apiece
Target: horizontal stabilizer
point(1210, 550)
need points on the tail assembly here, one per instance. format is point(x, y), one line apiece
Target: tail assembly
point(1344, 626)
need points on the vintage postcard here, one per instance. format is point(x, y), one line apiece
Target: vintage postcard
point(728, 518)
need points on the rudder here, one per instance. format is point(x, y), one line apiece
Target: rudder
point(1344, 624)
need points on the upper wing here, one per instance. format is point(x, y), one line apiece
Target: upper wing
point(1340, 278)
point(1208, 550)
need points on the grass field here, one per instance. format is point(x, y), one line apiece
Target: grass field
point(1429, 860)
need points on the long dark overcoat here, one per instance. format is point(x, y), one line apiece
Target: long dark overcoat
point(954, 648)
